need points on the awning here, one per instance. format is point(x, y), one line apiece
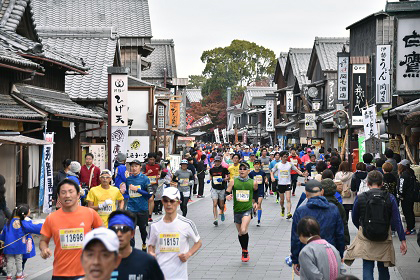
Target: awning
point(292, 131)
point(284, 89)
point(329, 130)
point(183, 138)
point(178, 132)
point(20, 139)
point(256, 111)
point(198, 133)
point(284, 124)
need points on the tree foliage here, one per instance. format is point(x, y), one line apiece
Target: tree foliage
point(212, 105)
point(240, 64)
point(196, 81)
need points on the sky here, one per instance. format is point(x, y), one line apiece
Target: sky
point(199, 25)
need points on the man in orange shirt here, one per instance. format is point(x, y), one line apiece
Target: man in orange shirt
point(296, 161)
point(67, 227)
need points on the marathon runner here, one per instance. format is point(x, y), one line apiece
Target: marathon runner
point(138, 184)
point(241, 190)
point(283, 170)
point(185, 180)
point(234, 168)
point(251, 161)
point(261, 178)
point(297, 162)
point(219, 175)
point(152, 170)
point(265, 166)
point(120, 175)
point(170, 236)
point(274, 183)
point(68, 226)
point(104, 197)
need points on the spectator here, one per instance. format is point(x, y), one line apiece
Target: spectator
point(335, 163)
point(61, 175)
point(389, 154)
point(379, 162)
point(89, 173)
point(390, 181)
point(320, 167)
point(406, 187)
point(359, 177)
point(345, 175)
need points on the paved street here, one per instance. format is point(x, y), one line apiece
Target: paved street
point(219, 257)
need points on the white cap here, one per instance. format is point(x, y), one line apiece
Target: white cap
point(171, 193)
point(184, 161)
point(106, 171)
point(108, 237)
point(272, 153)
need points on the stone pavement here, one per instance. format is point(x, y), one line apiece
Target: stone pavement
point(220, 255)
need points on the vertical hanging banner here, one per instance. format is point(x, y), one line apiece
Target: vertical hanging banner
point(369, 122)
point(224, 134)
point(343, 77)
point(383, 79)
point(119, 88)
point(361, 144)
point(48, 173)
point(245, 137)
point(174, 113)
point(359, 92)
point(310, 123)
point(269, 115)
point(119, 142)
point(289, 101)
point(331, 96)
point(217, 135)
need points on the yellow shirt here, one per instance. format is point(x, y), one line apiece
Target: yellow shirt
point(234, 171)
point(98, 195)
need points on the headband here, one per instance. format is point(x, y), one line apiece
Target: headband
point(121, 219)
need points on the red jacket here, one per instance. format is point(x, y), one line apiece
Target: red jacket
point(85, 175)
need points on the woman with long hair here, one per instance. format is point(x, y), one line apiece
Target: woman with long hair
point(344, 174)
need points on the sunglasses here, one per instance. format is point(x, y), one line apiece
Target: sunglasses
point(123, 229)
point(105, 177)
point(165, 200)
point(243, 169)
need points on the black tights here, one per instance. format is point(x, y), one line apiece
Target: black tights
point(184, 203)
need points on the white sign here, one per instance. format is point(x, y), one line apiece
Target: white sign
point(343, 78)
point(369, 122)
point(174, 161)
point(310, 123)
point(99, 156)
point(224, 134)
point(269, 115)
point(289, 101)
point(408, 54)
point(119, 98)
point(383, 79)
point(49, 176)
point(137, 148)
point(331, 94)
point(119, 141)
point(316, 106)
point(217, 135)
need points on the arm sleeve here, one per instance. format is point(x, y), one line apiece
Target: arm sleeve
point(90, 196)
point(29, 227)
point(355, 213)
point(119, 196)
point(396, 218)
point(308, 267)
point(192, 232)
point(192, 179)
point(46, 229)
point(294, 167)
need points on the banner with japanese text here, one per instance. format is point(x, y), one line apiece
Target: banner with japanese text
point(359, 92)
point(269, 115)
point(48, 173)
point(383, 77)
point(119, 142)
point(224, 134)
point(217, 135)
point(201, 121)
point(369, 122)
point(343, 78)
point(310, 121)
point(289, 101)
point(119, 88)
point(174, 113)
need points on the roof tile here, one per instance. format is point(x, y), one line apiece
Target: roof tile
point(162, 57)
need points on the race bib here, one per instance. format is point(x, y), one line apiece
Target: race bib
point(134, 193)
point(242, 195)
point(169, 242)
point(284, 173)
point(106, 210)
point(215, 180)
point(259, 179)
point(314, 173)
point(71, 238)
point(153, 180)
point(294, 161)
point(265, 168)
point(184, 182)
point(246, 158)
point(186, 194)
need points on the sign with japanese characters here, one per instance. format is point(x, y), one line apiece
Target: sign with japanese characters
point(48, 173)
point(99, 155)
point(289, 101)
point(119, 141)
point(245, 137)
point(408, 54)
point(310, 123)
point(201, 121)
point(217, 135)
point(119, 88)
point(224, 134)
point(331, 94)
point(137, 148)
point(174, 112)
point(383, 78)
point(359, 92)
point(373, 145)
point(343, 78)
point(369, 122)
point(269, 115)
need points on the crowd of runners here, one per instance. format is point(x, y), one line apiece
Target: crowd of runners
point(98, 211)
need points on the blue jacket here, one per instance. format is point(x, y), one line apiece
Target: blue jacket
point(120, 178)
point(329, 219)
point(16, 230)
point(141, 202)
point(271, 166)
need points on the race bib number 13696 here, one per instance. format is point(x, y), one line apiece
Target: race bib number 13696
point(72, 238)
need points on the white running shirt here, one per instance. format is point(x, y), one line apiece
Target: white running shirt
point(283, 172)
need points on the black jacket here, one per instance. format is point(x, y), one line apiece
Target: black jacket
point(406, 184)
point(201, 169)
point(355, 180)
point(61, 175)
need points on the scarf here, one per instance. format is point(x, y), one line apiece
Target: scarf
point(243, 179)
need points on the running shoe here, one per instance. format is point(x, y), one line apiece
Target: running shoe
point(271, 193)
point(289, 215)
point(277, 201)
point(282, 211)
point(215, 223)
point(144, 247)
point(259, 223)
point(9, 278)
point(410, 232)
point(222, 217)
point(293, 194)
point(190, 200)
point(245, 256)
point(150, 220)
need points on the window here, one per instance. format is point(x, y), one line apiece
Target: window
point(161, 123)
point(161, 111)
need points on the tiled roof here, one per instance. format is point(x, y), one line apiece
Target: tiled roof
point(299, 61)
point(162, 57)
point(97, 47)
point(10, 57)
point(18, 43)
point(11, 109)
point(54, 102)
point(325, 50)
point(410, 107)
point(194, 95)
point(255, 92)
point(130, 17)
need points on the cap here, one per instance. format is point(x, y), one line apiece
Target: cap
point(217, 158)
point(257, 161)
point(308, 150)
point(244, 164)
point(136, 161)
point(272, 152)
point(251, 154)
point(405, 162)
point(184, 161)
point(171, 193)
point(312, 185)
point(75, 167)
point(106, 236)
point(106, 171)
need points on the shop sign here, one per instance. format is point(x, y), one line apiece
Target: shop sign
point(383, 78)
point(343, 78)
point(269, 114)
point(310, 123)
point(359, 93)
point(369, 122)
point(289, 101)
point(119, 109)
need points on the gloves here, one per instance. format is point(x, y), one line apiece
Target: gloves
point(108, 202)
point(208, 181)
point(219, 180)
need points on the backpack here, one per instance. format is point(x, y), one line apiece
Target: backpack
point(363, 187)
point(377, 215)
